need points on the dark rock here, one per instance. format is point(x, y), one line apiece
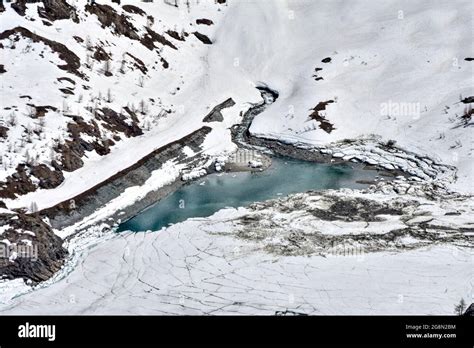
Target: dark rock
point(3, 132)
point(151, 37)
point(71, 157)
point(164, 63)
point(100, 54)
point(118, 123)
point(324, 124)
point(48, 178)
point(66, 91)
point(18, 183)
point(326, 60)
point(138, 63)
point(108, 17)
point(57, 10)
point(203, 38)
point(88, 202)
point(175, 35)
point(41, 110)
point(134, 9)
point(2, 69)
point(37, 262)
point(470, 310)
point(61, 79)
point(78, 39)
point(204, 21)
point(19, 6)
point(356, 209)
point(215, 115)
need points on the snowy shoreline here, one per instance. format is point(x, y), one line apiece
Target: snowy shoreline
point(405, 251)
point(163, 181)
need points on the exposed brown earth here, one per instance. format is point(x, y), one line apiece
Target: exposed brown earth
point(324, 124)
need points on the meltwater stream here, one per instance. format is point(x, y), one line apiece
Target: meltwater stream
point(204, 197)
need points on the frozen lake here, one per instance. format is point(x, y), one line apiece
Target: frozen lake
point(204, 197)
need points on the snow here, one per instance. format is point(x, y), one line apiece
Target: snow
point(188, 71)
point(199, 267)
point(4, 228)
point(396, 73)
point(255, 164)
point(194, 174)
point(391, 50)
point(396, 52)
point(214, 266)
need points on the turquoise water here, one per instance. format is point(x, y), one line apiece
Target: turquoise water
point(206, 196)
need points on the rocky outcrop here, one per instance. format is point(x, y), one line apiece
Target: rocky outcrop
point(3, 132)
point(316, 115)
point(175, 35)
point(73, 63)
point(74, 210)
point(216, 115)
point(20, 182)
point(48, 178)
point(57, 10)
point(118, 123)
point(108, 17)
point(138, 63)
point(100, 54)
point(17, 184)
point(134, 9)
point(19, 6)
point(203, 38)
point(204, 21)
point(29, 248)
point(151, 37)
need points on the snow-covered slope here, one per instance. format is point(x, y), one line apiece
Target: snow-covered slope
point(392, 71)
point(87, 96)
point(90, 88)
point(397, 71)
